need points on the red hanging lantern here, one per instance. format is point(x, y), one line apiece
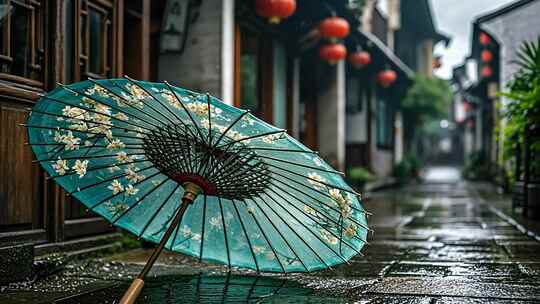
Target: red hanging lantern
point(386, 77)
point(484, 39)
point(466, 106)
point(333, 52)
point(360, 59)
point(334, 28)
point(486, 71)
point(486, 56)
point(275, 10)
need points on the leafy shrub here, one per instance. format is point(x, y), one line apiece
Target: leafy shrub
point(477, 167)
point(359, 176)
point(409, 168)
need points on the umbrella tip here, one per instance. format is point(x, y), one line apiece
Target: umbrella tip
point(22, 125)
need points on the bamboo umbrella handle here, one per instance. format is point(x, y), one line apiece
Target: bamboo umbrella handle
point(191, 191)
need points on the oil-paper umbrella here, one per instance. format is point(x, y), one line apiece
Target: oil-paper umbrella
point(196, 176)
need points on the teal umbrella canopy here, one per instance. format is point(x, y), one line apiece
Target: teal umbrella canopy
point(126, 148)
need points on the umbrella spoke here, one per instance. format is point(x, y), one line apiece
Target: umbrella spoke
point(118, 109)
point(185, 109)
point(323, 203)
point(120, 192)
point(80, 189)
point(320, 182)
point(158, 210)
point(281, 235)
point(251, 137)
point(311, 188)
point(282, 150)
point(96, 112)
point(98, 168)
point(225, 232)
point(78, 131)
point(266, 238)
point(203, 227)
point(247, 236)
point(301, 165)
point(314, 221)
point(140, 200)
point(179, 119)
point(89, 121)
point(236, 120)
point(128, 101)
point(296, 233)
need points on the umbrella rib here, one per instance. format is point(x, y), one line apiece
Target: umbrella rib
point(88, 157)
point(296, 233)
point(136, 82)
point(266, 238)
point(236, 120)
point(304, 225)
point(301, 165)
point(185, 109)
point(123, 191)
point(306, 186)
point(225, 232)
point(88, 121)
point(75, 130)
point(158, 210)
point(280, 234)
point(330, 207)
point(108, 105)
point(209, 120)
point(96, 112)
point(98, 168)
point(247, 236)
point(110, 179)
point(128, 102)
point(158, 100)
point(307, 177)
point(251, 137)
point(283, 150)
point(140, 200)
point(202, 230)
point(311, 218)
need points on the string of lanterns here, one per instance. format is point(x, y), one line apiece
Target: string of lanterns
point(333, 30)
point(486, 56)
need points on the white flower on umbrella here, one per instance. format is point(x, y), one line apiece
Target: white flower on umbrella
point(196, 237)
point(137, 92)
point(130, 190)
point(73, 112)
point(318, 162)
point(205, 123)
point(269, 139)
point(59, 137)
point(89, 102)
point(257, 250)
point(80, 126)
point(97, 89)
point(171, 99)
point(121, 116)
point(327, 236)
point(199, 108)
point(116, 187)
point(215, 222)
point(270, 255)
point(123, 158)
point(80, 167)
point(351, 230)
point(116, 144)
point(316, 180)
point(116, 208)
point(343, 202)
point(309, 210)
point(186, 231)
point(101, 108)
point(71, 142)
point(60, 166)
point(132, 176)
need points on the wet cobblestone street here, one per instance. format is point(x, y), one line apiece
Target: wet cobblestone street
point(437, 242)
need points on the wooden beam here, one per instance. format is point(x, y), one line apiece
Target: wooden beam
point(145, 40)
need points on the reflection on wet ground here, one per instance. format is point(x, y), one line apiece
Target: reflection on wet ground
point(437, 242)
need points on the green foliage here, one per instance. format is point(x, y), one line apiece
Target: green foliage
point(407, 169)
point(524, 94)
point(477, 167)
point(359, 176)
point(427, 100)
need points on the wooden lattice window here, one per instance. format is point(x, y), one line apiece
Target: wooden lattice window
point(94, 44)
point(22, 41)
